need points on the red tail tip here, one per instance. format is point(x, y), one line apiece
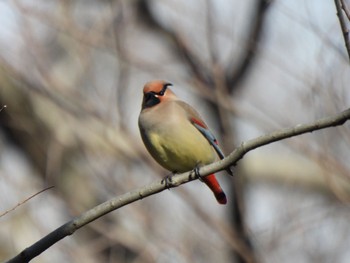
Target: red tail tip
point(221, 198)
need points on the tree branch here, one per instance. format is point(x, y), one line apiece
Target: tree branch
point(180, 45)
point(346, 9)
point(70, 227)
point(339, 6)
point(25, 200)
point(234, 76)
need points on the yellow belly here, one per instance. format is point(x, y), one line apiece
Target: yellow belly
point(181, 150)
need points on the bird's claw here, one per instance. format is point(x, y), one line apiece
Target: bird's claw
point(196, 172)
point(167, 180)
point(229, 171)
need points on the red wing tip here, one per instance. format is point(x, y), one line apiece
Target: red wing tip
point(200, 123)
point(221, 198)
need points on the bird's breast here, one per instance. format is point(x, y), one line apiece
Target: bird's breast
point(178, 146)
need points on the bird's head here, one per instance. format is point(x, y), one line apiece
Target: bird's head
point(155, 92)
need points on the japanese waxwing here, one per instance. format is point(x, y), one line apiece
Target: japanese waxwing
point(176, 136)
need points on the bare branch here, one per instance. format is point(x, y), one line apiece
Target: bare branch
point(343, 25)
point(181, 47)
point(345, 8)
point(70, 227)
point(25, 200)
point(258, 23)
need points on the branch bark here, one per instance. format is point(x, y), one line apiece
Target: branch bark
point(339, 6)
point(70, 227)
point(25, 200)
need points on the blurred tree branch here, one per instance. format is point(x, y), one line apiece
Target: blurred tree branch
point(340, 6)
point(34, 140)
point(181, 47)
point(70, 227)
point(345, 8)
point(197, 67)
point(234, 76)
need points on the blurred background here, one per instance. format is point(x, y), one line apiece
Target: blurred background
point(71, 75)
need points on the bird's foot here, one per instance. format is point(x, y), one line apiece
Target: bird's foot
point(167, 180)
point(229, 171)
point(196, 172)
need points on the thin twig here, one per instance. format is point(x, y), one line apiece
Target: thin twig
point(345, 8)
point(70, 227)
point(343, 25)
point(25, 200)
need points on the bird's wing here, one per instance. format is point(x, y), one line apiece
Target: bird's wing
point(198, 122)
point(201, 126)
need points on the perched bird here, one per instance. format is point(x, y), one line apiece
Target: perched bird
point(176, 136)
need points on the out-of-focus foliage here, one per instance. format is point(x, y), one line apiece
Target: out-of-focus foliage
point(71, 75)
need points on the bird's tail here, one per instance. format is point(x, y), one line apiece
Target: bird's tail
point(214, 185)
